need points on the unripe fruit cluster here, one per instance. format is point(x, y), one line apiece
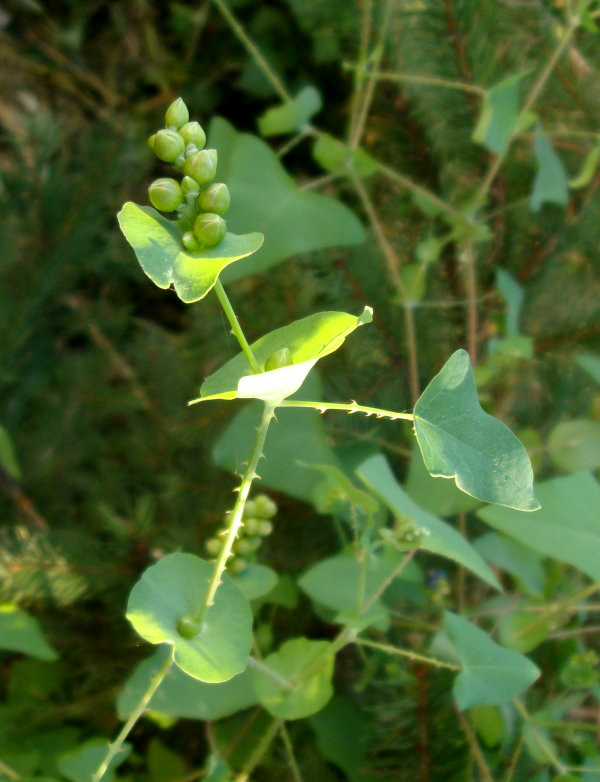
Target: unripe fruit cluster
point(257, 524)
point(200, 206)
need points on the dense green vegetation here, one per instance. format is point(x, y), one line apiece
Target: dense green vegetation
point(436, 161)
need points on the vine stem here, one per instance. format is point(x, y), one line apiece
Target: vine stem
point(235, 327)
point(261, 748)
point(520, 707)
point(235, 521)
point(411, 78)
point(420, 658)
point(476, 752)
point(269, 673)
point(353, 407)
point(289, 748)
point(116, 746)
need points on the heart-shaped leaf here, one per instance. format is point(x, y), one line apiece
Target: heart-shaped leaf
point(157, 245)
point(174, 589)
point(308, 667)
point(491, 674)
point(307, 340)
point(459, 440)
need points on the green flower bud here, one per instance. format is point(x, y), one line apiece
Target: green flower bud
point(190, 149)
point(281, 358)
point(189, 186)
point(247, 545)
point(252, 525)
point(213, 546)
point(192, 133)
point(237, 565)
point(165, 194)
point(209, 229)
point(177, 114)
point(265, 528)
point(202, 166)
point(214, 198)
point(188, 627)
point(168, 145)
point(190, 242)
point(264, 506)
point(151, 141)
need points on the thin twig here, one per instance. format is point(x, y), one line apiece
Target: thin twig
point(432, 81)
point(419, 658)
point(478, 755)
point(289, 748)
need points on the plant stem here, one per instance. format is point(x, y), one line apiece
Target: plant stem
point(264, 670)
point(510, 771)
point(354, 407)
point(9, 772)
point(290, 753)
point(235, 521)
point(520, 707)
point(433, 81)
point(361, 66)
point(253, 51)
point(482, 765)
point(420, 658)
point(414, 187)
point(386, 582)
point(261, 748)
point(467, 259)
point(235, 327)
point(116, 746)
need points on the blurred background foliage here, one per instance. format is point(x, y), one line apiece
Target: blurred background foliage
point(97, 365)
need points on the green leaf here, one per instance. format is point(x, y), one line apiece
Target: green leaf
point(513, 295)
point(590, 364)
point(459, 440)
point(256, 580)
point(79, 764)
point(575, 445)
point(175, 588)
point(308, 666)
point(442, 539)
point(338, 158)
point(441, 498)
point(163, 764)
point(279, 470)
point(265, 198)
point(8, 457)
point(340, 728)
point(181, 696)
point(292, 115)
point(499, 114)
point(567, 527)
point(20, 632)
point(588, 169)
point(491, 674)
point(337, 494)
point(488, 721)
point(522, 630)
point(550, 185)
point(308, 340)
point(156, 242)
point(523, 564)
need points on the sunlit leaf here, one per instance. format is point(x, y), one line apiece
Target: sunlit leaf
point(338, 158)
point(292, 115)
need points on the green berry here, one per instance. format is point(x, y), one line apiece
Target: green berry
point(252, 525)
point(265, 528)
point(177, 114)
point(264, 506)
point(202, 166)
point(209, 229)
point(249, 509)
point(237, 565)
point(281, 358)
point(214, 198)
point(192, 133)
point(189, 186)
point(188, 627)
point(168, 145)
point(247, 545)
point(190, 242)
point(213, 546)
point(165, 194)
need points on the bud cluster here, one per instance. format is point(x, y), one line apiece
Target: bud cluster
point(200, 205)
point(257, 524)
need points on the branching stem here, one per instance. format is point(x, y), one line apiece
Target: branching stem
point(235, 327)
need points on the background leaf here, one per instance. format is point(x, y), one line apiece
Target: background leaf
point(79, 764)
point(499, 114)
point(292, 115)
point(550, 185)
point(20, 632)
point(575, 445)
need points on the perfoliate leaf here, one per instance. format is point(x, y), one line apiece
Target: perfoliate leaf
point(292, 115)
point(157, 245)
point(20, 632)
point(459, 440)
point(550, 185)
point(174, 589)
point(441, 538)
point(308, 667)
point(307, 341)
point(499, 115)
point(265, 198)
point(566, 528)
point(490, 674)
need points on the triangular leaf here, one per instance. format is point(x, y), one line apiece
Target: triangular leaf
point(157, 245)
point(491, 674)
point(499, 114)
point(307, 340)
point(550, 185)
point(292, 115)
point(459, 440)
point(20, 632)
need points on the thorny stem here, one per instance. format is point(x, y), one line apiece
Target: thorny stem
point(235, 327)
point(260, 750)
point(349, 408)
point(432, 81)
point(254, 51)
point(116, 746)
point(235, 521)
point(420, 658)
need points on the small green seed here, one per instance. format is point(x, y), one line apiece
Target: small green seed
point(281, 358)
point(177, 114)
point(247, 545)
point(214, 198)
point(252, 525)
point(191, 244)
point(188, 627)
point(168, 145)
point(265, 528)
point(192, 133)
point(202, 166)
point(237, 565)
point(165, 194)
point(209, 229)
point(264, 506)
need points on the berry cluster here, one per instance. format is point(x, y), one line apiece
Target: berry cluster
point(257, 524)
point(200, 206)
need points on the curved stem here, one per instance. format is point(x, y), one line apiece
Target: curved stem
point(261, 748)
point(235, 521)
point(433, 81)
point(116, 746)
point(353, 407)
point(235, 327)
